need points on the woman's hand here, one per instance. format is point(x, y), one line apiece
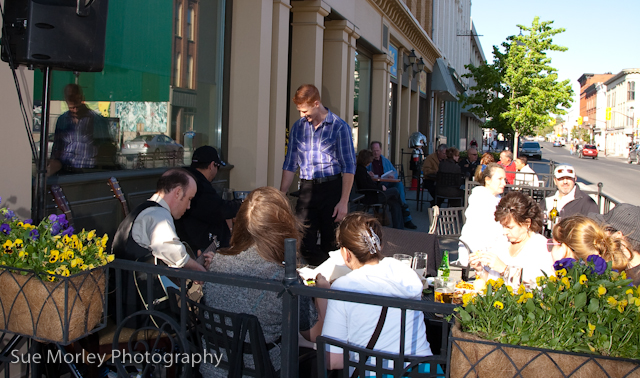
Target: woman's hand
point(492, 261)
point(322, 282)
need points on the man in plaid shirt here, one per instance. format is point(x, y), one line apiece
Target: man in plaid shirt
point(320, 144)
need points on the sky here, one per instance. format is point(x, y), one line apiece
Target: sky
point(601, 36)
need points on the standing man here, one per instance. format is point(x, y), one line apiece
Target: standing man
point(81, 142)
point(506, 161)
point(468, 166)
point(571, 200)
point(320, 144)
point(207, 217)
point(381, 165)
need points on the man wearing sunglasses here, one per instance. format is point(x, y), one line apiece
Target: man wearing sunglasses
point(469, 165)
point(571, 200)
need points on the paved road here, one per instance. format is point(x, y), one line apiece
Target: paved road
point(621, 180)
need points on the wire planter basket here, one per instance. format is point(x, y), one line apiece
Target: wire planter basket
point(62, 311)
point(473, 357)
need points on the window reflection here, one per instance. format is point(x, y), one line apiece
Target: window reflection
point(155, 83)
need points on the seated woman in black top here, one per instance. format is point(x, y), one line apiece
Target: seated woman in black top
point(449, 178)
point(363, 180)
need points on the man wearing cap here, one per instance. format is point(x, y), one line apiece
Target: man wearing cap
point(625, 219)
point(207, 217)
point(571, 200)
point(321, 145)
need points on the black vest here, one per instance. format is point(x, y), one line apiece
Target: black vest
point(124, 247)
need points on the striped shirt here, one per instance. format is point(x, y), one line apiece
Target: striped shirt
point(325, 151)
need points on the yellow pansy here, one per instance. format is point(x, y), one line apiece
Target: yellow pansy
point(110, 258)
point(498, 305)
point(66, 239)
point(23, 254)
point(105, 238)
point(69, 254)
point(91, 234)
point(629, 291)
point(84, 267)
point(552, 279)
point(521, 289)
point(524, 297)
point(591, 329)
point(623, 275)
point(612, 301)
point(510, 289)
point(54, 255)
point(583, 279)
point(621, 305)
point(8, 246)
point(499, 283)
point(561, 273)
point(51, 278)
point(602, 290)
point(19, 224)
point(466, 297)
point(18, 243)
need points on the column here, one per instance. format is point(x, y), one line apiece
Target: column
point(337, 68)
point(249, 94)
point(405, 120)
point(278, 97)
point(380, 79)
point(307, 46)
point(401, 100)
point(414, 122)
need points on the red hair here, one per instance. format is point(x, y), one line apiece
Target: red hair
point(306, 94)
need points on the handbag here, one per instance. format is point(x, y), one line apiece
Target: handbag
point(375, 336)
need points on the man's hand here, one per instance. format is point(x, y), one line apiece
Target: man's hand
point(384, 188)
point(205, 259)
point(340, 211)
point(371, 174)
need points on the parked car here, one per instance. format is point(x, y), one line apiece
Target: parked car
point(157, 144)
point(634, 154)
point(556, 143)
point(531, 149)
point(588, 150)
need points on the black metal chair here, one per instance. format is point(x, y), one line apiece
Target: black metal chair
point(446, 223)
point(448, 188)
point(234, 337)
point(389, 364)
point(379, 207)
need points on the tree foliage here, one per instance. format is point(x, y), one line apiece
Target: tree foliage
point(519, 91)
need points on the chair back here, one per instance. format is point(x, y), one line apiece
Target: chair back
point(233, 336)
point(447, 179)
point(449, 221)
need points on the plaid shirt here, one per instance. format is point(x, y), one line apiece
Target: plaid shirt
point(74, 144)
point(325, 151)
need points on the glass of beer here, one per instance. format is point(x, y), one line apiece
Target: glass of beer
point(419, 263)
point(444, 289)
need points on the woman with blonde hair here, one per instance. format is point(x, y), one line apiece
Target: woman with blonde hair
point(360, 238)
point(262, 224)
point(579, 237)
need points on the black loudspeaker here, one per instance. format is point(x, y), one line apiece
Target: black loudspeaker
point(62, 34)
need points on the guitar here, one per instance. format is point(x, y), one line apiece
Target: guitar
point(61, 202)
point(117, 193)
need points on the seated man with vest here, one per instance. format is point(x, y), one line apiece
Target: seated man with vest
point(148, 232)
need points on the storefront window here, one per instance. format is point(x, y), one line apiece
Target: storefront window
point(144, 89)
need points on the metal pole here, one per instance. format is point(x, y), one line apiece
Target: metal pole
point(40, 187)
point(289, 354)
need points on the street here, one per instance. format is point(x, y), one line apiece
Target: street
point(620, 179)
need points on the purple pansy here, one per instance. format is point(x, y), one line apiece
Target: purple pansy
point(5, 228)
point(55, 229)
point(68, 231)
point(28, 221)
point(34, 234)
point(566, 263)
point(600, 266)
point(53, 217)
point(10, 214)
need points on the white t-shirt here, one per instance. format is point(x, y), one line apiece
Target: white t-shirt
point(534, 258)
point(355, 322)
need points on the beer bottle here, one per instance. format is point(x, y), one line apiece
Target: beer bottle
point(443, 270)
point(553, 214)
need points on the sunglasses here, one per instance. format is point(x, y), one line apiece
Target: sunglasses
point(551, 244)
point(565, 170)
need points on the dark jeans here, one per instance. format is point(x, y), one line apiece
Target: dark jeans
point(395, 207)
point(315, 208)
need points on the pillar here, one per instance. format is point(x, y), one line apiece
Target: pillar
point(278, 95)
point(380, 79)
point(249, 94)
point(338, 68)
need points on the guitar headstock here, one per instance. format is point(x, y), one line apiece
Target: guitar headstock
point(117, 192)
point(61, 201)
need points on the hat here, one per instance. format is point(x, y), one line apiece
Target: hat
point(624, 217)
point(206, 154)
point(564, 171)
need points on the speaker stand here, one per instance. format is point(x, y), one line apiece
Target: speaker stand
point(40, 188)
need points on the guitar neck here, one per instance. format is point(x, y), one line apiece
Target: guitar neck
point(61, 201)
point(117, 192)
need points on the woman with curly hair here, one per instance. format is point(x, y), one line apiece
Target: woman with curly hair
point(526, 256)
point(360, 239)
point(486, 159)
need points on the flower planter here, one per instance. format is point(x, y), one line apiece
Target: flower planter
point(60, 312)
point(473, 357)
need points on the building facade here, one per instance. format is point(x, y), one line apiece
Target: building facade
point(223, 73)
point(622, 128)
point(590, 86)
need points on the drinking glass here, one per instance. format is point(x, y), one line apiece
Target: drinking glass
point(419, 263)
point(406, 259)
point(444, 289)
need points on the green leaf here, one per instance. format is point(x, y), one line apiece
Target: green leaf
point(594, 305)
point(465, 316)
point(530, 306)
point(581, 300)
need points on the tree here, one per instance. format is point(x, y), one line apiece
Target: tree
point(520, 90)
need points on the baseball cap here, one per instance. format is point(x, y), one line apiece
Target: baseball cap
point(624, 217)
point(206, 154)
point(564, 171)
